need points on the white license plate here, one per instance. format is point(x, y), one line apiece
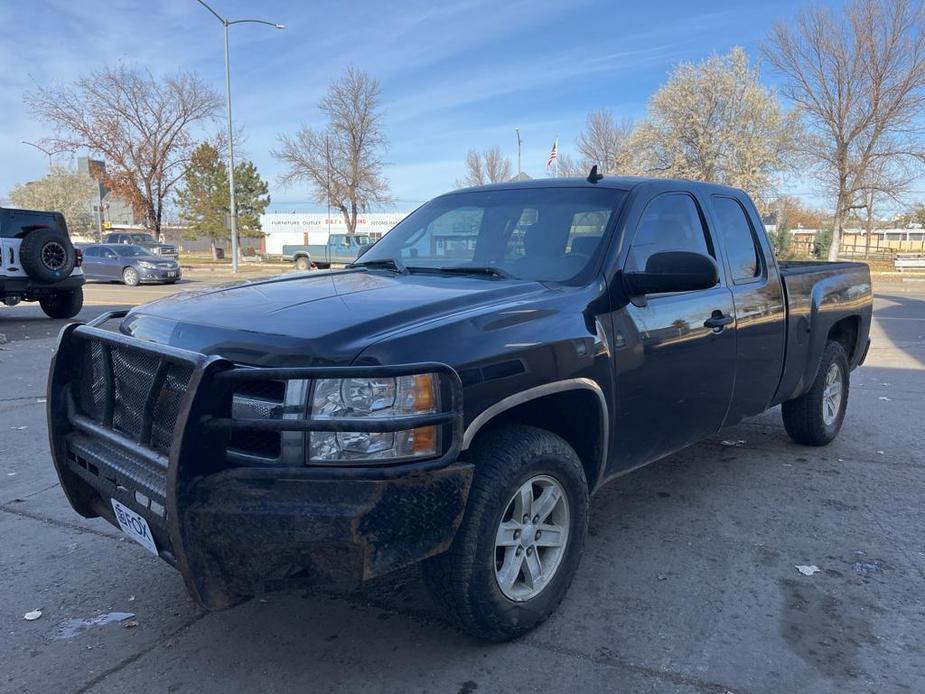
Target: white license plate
point(171, 274)
point(134, 526)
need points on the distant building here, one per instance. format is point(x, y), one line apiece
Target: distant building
point(306, 228)
point(117, 211)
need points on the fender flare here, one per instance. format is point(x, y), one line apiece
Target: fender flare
point(540, 391)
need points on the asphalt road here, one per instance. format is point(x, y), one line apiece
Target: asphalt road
point(688, 583)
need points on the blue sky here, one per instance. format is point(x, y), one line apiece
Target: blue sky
point(454, 75)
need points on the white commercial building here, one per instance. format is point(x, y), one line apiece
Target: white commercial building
point(296, 228)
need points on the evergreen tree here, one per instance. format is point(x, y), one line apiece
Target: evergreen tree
point(203, 200)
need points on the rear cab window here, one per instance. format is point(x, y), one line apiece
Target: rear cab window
point(739, 240)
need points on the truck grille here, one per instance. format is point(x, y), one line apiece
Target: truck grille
point(131, 375)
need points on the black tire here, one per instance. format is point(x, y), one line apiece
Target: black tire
point(463, 579)
point(47, 255)
point(131, 277)
point(302, 263)
point(62, 304)
point(804, 417)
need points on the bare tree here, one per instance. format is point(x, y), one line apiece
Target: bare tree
point(490, 166)
point(69, 192)
point(342, 162)
point(140, 124)
point(569, 166)
point(858, 78)
point(606, 142)
point(713, 121)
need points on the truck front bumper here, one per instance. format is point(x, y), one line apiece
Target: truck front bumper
point(147, 425)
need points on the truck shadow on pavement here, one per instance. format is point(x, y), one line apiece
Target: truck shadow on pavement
point(691, 563)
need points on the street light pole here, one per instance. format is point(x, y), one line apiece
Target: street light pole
point(47, 153)
point(233, 210)
point(519, 142)
point(233, 207)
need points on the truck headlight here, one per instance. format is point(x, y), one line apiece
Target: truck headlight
point(374, 398)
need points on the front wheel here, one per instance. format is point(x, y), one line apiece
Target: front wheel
point(521, 539)
point(61, 304)
point(816, 417)
point(131, 277)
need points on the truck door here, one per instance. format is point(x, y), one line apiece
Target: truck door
point(758, 296)
point(674, 357)
point(338, 249)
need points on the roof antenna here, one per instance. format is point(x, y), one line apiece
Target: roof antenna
point(594, 176)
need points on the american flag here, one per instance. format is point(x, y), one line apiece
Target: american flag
point(553, 154)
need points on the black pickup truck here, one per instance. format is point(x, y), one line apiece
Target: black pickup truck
point(454, 397)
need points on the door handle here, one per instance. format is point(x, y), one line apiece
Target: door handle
point(718, 321)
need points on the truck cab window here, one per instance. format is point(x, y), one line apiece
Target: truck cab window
point(670, 223)
point(738, 238)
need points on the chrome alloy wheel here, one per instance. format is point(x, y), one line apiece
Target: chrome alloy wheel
point(531, 539)
point(831, 396)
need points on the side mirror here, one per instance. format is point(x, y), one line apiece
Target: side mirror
point(673, 271)
point(363, 250)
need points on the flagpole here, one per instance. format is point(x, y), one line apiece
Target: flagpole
point(557, 156)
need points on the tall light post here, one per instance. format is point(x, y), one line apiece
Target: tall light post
point(233, 206)
point(46, 152)
point(519, 143)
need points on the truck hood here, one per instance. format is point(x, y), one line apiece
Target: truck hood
point(318, 318)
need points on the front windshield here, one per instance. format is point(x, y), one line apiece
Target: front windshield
point(544, 234)
point(141, 238)
point(131, 251)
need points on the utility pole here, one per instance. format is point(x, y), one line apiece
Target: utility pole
point(519, 143)
point(233, 221)
point(327, 166)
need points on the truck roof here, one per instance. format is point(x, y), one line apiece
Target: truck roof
point(616, 182)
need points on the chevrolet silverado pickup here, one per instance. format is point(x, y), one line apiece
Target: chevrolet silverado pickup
point(455, 397)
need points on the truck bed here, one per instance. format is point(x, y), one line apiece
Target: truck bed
point(800, 267)
point(825, 300)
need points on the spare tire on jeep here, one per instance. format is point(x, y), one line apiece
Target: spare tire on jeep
point(47, 255)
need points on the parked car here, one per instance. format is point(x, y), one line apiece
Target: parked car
point(146, 241)
point(38, 262)
point(132, 265)
point(456, 396)
point(340, 249)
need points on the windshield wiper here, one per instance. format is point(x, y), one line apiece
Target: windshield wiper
point(385, 263)
point(472, 270)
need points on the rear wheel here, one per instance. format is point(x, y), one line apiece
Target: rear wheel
point(303, 263)
point(61, 304)
point(131, 277)
point(520, 542)
point(816, 417)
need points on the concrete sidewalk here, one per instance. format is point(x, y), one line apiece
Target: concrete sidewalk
point(688, 583)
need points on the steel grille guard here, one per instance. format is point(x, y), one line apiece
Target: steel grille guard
point(198, 447)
